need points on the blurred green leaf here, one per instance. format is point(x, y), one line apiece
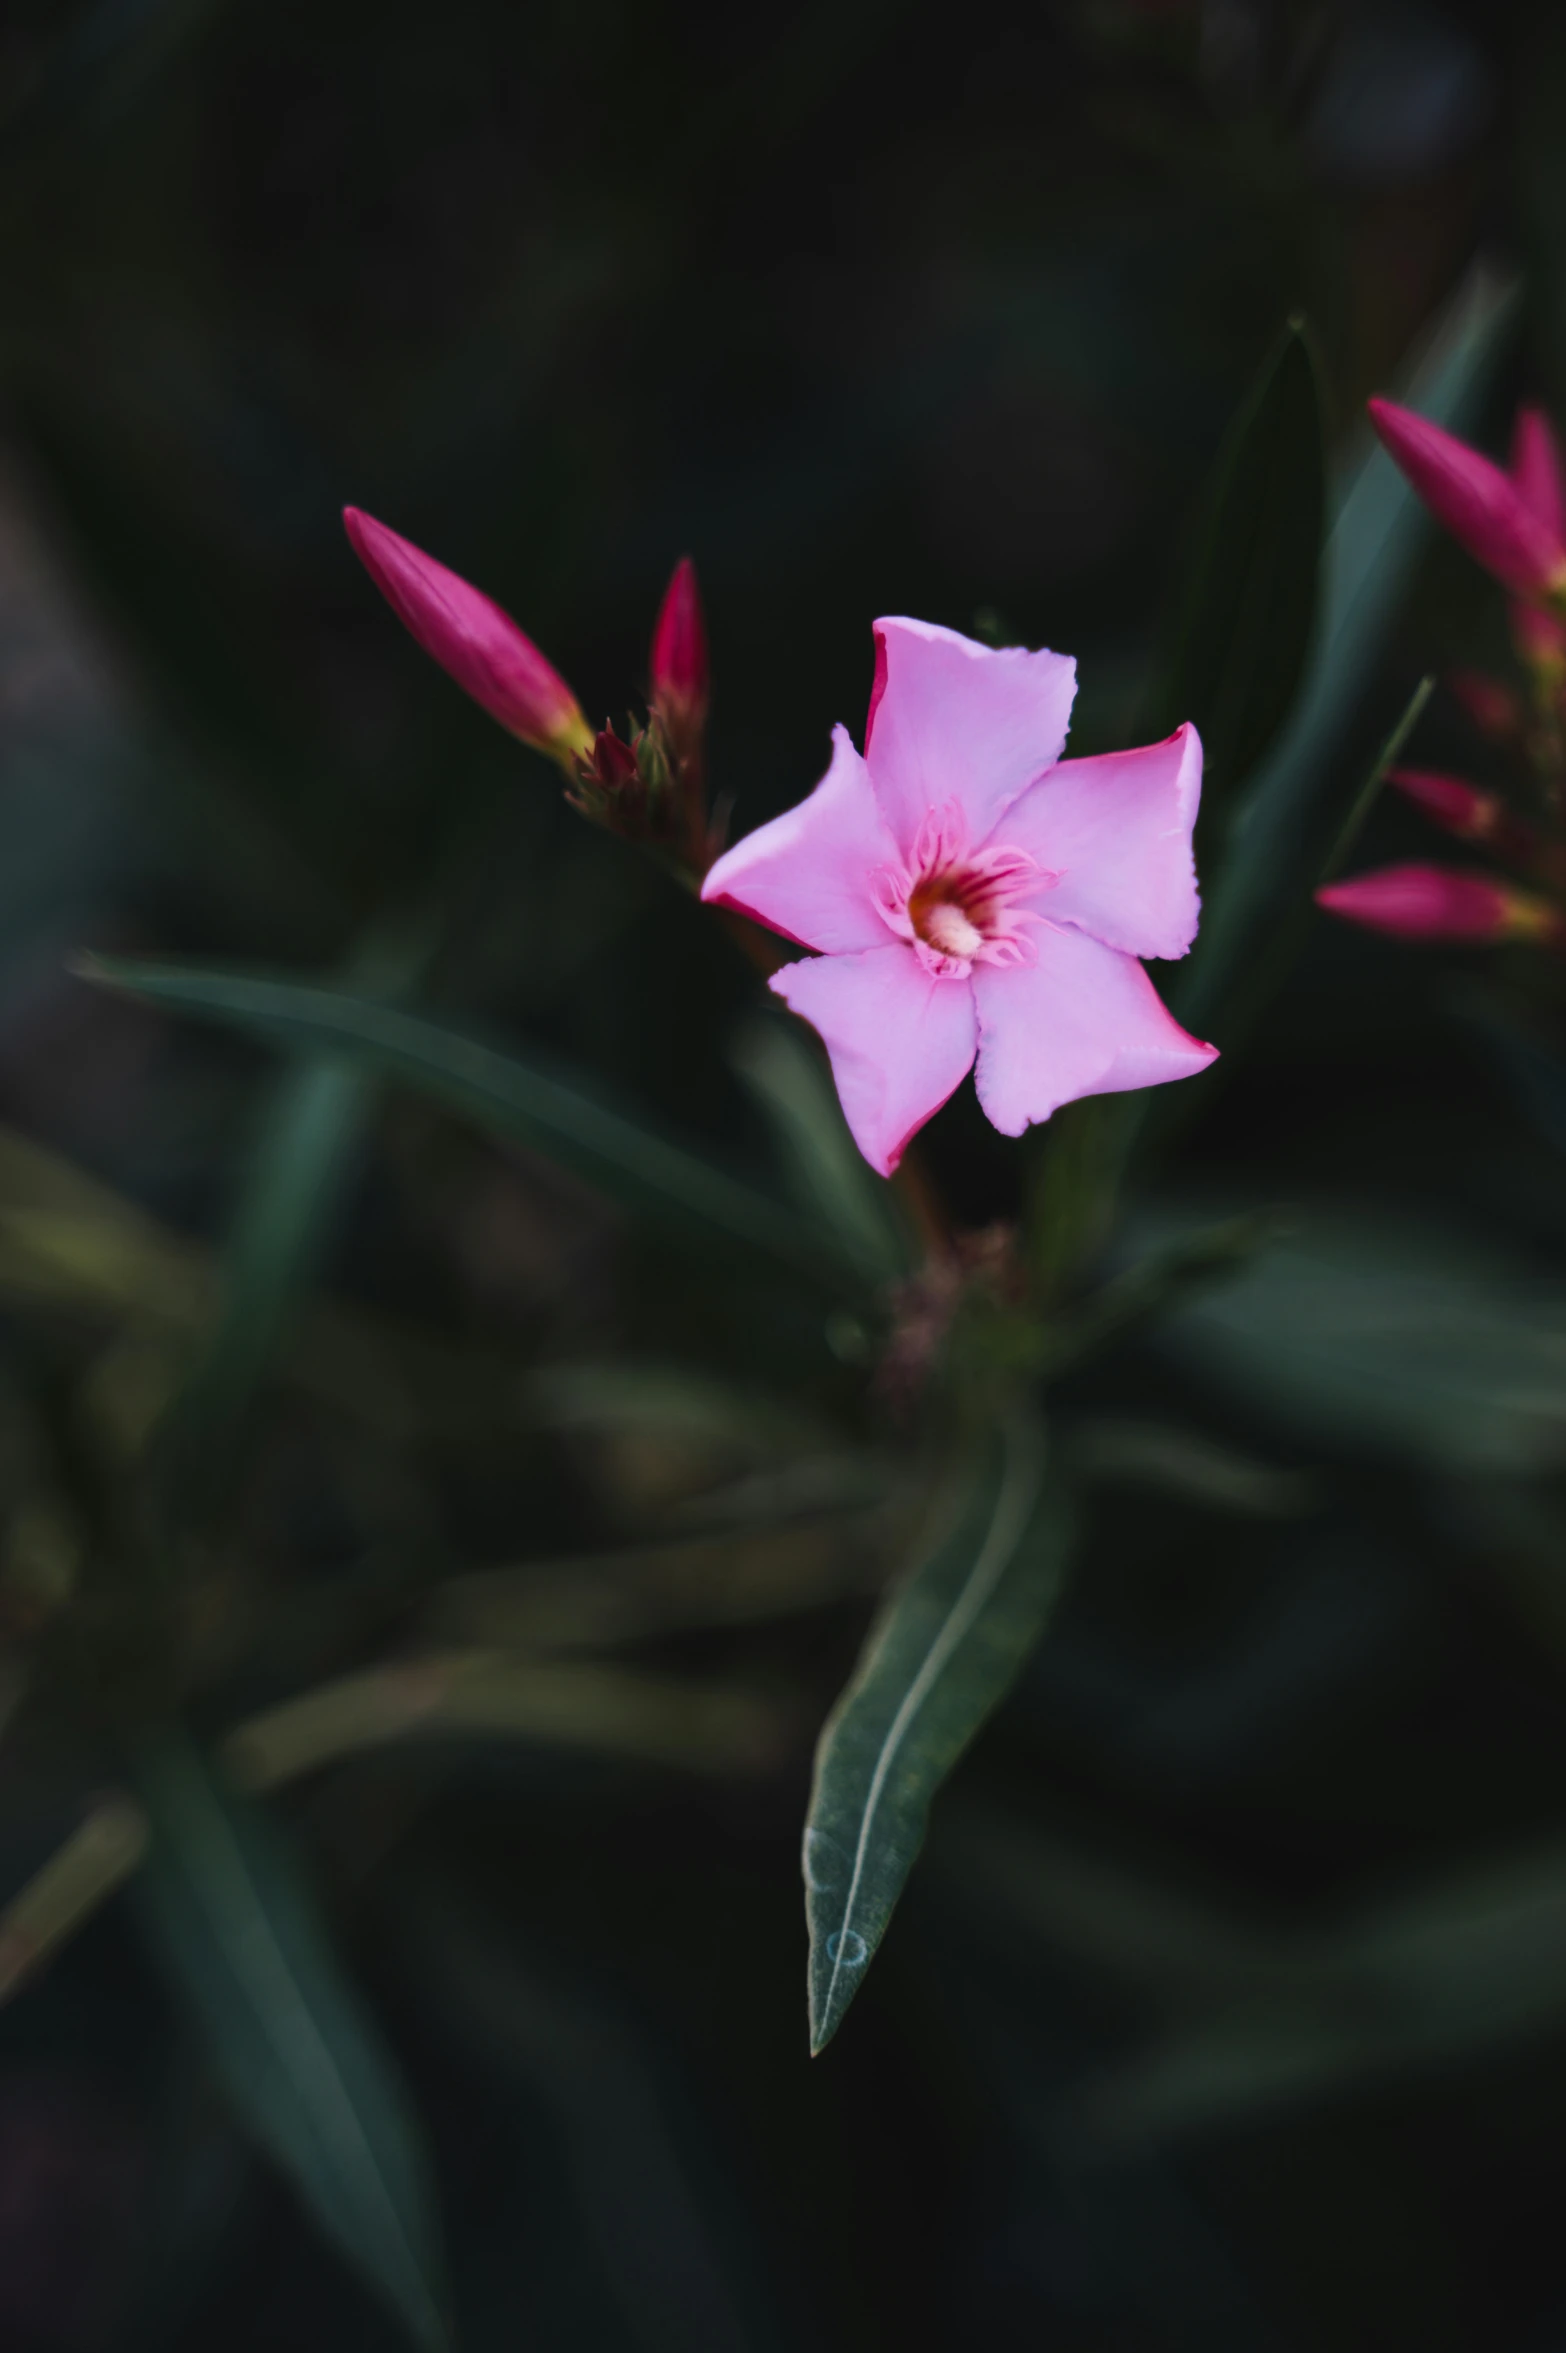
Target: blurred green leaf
point(942, 1653)
point(1276, 957)
point(232, 1923)
point(786, 1074)
point(1389, 1338)
point(1279, 833)
point(1403, 1985)
point(1365, 799)
point(1250, 604)
point(553, 1115)
point(1251, 2010)
point(313, 1128)
point(98, 1857)
point(1170, 1459)
point(312, 1131)
point(702, 1727)
point(593, 1599)
point(667, 1402)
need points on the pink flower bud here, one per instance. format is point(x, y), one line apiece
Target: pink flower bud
point(1462, 808)
point(1442, 903)
point(1536, 467)
point(1483, 508)
point(1536, 470)
point(1489, 703)
point(473, 640)
point(680, 681)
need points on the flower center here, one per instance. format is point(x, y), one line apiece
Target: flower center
point(944, 922)
point(958, 907)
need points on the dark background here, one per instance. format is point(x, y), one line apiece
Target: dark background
point(1228, 2006)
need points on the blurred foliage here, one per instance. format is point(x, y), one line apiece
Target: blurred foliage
point(464, 1405)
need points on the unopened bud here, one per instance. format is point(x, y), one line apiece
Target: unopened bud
point(1466, 810)
point(681, 685)
point(1489, 703)
point(476, 643)
point(1444, 903)
point(1483, 508)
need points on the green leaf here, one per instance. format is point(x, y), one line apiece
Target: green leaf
point(735, 1577)
point(784, 1070)
point(312, 1131)
point(502, 1092)
point(313, 1127)
point(1250, 608)
point(1278, 835)
point(234, 1928)
point(1392, 1339)
point(943, 1652)
point(1276, 957)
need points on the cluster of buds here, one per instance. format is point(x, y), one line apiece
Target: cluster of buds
point(1513, 522)
point(648, 785)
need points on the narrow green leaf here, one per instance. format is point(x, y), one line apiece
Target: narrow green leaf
point(1369, 792)
point(783, 1068)
point(234, 1928)
point(941, 1655)
point(1275, 843)
point(1250, 608)
point(502, 1092)
point(312, 1129)
point(1416, 1344)
point(1275, 958)
point(699, 1727)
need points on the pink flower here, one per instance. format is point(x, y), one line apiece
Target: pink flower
point(1442, 903)
point(970, 893)
point(680, 683)
point(480, 646)
point(1491, 514)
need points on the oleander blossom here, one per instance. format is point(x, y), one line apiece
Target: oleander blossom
point(971, 894)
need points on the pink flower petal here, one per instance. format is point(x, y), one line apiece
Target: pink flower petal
point(467, 633)
point(1482, 508)
point(954, 721)
point(1083, 1020)
point(900, 1042)
point(1117, 830)
point(808, 873)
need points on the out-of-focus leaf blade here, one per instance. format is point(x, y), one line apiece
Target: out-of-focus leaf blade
point(829, 1177)
point(98, 1857)
point(478, 1695)
point(313, 1127)
point(591, 1600)
point(312, 1131)
point(233, 1926)
point(502, 1092)
point(1390, 1339)
point(1424, 1980)
point(941, 1655)
point(1250, 608)
point(1280, 828)
point(1169, 1459)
